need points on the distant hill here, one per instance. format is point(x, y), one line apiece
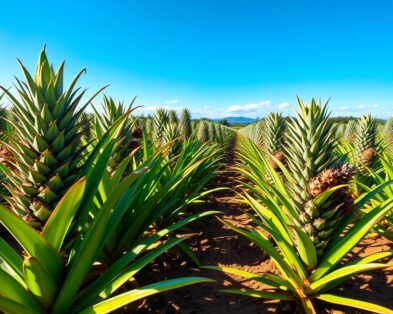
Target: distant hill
point(236, 120)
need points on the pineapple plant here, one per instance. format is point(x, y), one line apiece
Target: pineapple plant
point(309, 218)
point(387, 132)
point(311, 161)
point(255, 132)
point(173, 119)
point(350, 131)
point(365, 143)
point(274, 134)
point(161, 121)
point(58, 272)
point(203, 132)
point(185, 123)
point(46, 145)
point(129, 138)
point(212, 131)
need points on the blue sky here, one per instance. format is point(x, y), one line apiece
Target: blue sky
point(219, 58)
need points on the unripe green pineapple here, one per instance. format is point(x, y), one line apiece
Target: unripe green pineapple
point(311, 161)
point(46, 145)
point(365, 142)
point(185, 123)
point(129, 137)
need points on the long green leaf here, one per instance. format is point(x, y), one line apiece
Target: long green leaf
point(354, 303)
point(57, 226)
point(12, 259)
point(261, 294)
point(119, 301)
point(34, 244)
point(342, 272)
point(251, 276)
point(11, 307)
point(11, 289)
point(353, 237)
point(118, 267)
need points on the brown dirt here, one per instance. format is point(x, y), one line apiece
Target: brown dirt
point(215, 244)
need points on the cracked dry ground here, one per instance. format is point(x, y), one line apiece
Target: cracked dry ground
point(215, 244)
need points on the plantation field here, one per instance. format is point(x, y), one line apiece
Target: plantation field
point(104, 210)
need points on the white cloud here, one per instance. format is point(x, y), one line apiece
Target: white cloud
point(248, 107)
point(172, 102)
point(367, 107)
point(284, 105)
point(343, 108)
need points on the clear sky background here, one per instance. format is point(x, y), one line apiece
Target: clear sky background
point(219, 58)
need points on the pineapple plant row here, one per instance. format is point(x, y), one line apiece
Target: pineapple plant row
point(93, 199)
point(311, 215)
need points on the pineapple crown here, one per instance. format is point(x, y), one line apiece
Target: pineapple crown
point(186, 123)
point(388, 131)
point(127, 140)
point(203, 131)
point(350, 131)
point(46, 143)
point(212, 131)
point(311, 141)
point(366, 133)
point(310, 146)
point(275, 126)
point(173, 119)
point(112, 112)
point(161, 121)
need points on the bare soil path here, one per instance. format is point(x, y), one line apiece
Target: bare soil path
point(217, 245)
